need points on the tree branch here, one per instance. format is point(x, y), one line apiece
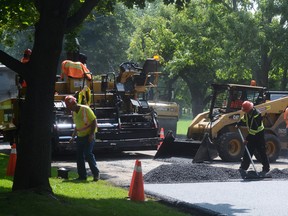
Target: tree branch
point(80, 15)
point(10, 62)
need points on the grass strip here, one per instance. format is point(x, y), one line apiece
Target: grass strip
point(75, 198)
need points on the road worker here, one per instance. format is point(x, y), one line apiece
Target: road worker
point(85, 129)
point(75, 70)
point(253, 83)
point(236, 102)
point(255, 140)
point(26, 58)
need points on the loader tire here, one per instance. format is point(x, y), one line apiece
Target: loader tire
point(273, 148)
point(230, 147)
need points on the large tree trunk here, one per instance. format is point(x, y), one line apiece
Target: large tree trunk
point(198, 90)
point(197, 99)
point(265, 68)
point(33, 150)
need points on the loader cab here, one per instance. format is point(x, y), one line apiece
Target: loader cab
point(273, 95)
point(228, 98)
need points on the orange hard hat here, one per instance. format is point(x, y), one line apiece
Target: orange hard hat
point(28, 52)
point(70, 101)
point(247, 106)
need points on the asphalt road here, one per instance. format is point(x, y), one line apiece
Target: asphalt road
point(214, 198)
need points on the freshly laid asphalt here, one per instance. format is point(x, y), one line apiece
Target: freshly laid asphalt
point(245, 198)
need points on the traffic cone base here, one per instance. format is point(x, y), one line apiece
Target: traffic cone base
point(136, 192)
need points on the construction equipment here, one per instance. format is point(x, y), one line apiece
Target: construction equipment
point(126, 119)
point(167, 114)
point(8, 88)
point(212, 133)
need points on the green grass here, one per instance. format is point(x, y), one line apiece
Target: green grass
point(183, 124)
point(75, 198)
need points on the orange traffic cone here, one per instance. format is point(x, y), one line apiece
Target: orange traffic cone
point(161, 136)
point(12, 161)
point(136, 192)
point(133, 178)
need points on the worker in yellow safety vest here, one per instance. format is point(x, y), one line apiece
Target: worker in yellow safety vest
point(85, 129)
point(255, 140)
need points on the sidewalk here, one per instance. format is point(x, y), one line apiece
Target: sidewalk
point(245, 198)
point(5, 147)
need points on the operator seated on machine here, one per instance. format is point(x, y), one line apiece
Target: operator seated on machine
point(75, 69)
point(236, 101)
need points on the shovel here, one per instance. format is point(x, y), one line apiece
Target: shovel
point(250, 175)
point(247, 150)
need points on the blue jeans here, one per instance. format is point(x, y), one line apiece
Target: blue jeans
point(85, 152)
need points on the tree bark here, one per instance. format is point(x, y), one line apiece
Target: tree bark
point(33, 151)
point(197, 88)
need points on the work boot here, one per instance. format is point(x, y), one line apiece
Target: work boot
point(96, 177)
point(265, 173)
point(242, 172)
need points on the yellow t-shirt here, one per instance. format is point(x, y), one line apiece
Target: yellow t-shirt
point(83, 120)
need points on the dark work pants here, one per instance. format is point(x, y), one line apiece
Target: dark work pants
point(85, 152)
point(257, 142)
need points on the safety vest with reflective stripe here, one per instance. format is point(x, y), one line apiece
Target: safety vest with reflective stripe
point(254, 123)
point(83, 120)
point(74, 70)
point(84, 96)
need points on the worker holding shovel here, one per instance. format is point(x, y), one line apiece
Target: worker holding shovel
point(255, 140)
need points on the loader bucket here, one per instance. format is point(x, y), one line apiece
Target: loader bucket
point(198, 150)
point(173, 147)
point(206, 152)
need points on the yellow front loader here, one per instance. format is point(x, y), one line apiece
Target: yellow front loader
point(213, 133)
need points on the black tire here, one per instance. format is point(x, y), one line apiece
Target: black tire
point(230, 147)
point(273, 148)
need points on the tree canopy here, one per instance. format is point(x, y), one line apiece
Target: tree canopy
point(211, 41)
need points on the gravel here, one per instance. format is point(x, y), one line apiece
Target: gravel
point(191, 172)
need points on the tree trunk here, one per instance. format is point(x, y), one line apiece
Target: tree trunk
point(262, 74)
point(198, 91)
point(197, 100)
point(33, 151)
point(170, 88)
